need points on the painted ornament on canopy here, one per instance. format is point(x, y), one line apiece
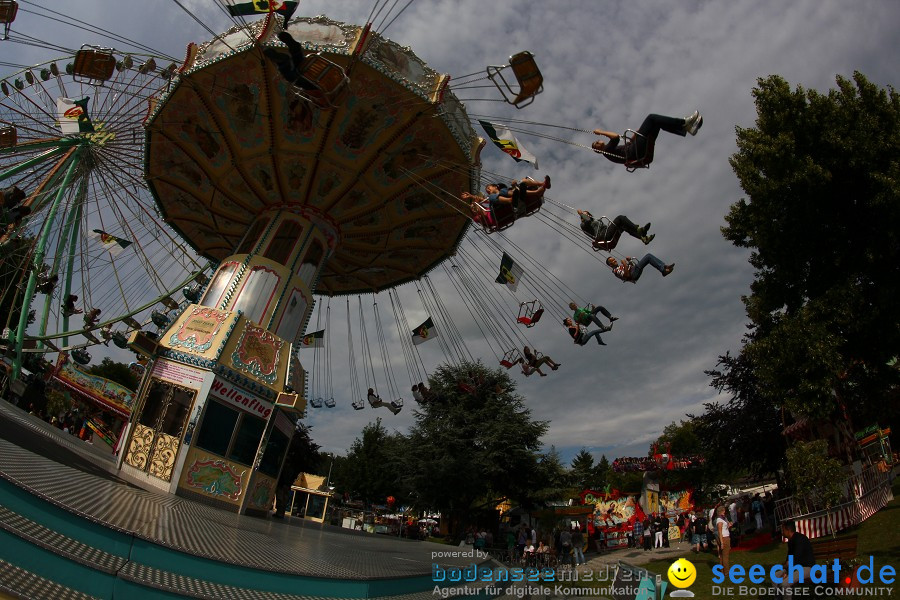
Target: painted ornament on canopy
point(258, 353)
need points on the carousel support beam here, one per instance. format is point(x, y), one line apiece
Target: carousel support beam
point(39, 260)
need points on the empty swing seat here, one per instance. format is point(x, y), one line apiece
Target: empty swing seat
point(358, 404)
point(528, 77)
point(533, 319)
point(315, 402)
point(93, 65)
point(330, 403)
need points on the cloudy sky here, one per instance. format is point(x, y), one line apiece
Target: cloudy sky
point(605, 64)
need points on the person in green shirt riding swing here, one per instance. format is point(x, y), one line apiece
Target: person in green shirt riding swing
point(588, 314)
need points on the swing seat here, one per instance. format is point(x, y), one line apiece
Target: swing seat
point(68, 312)
point(533, 319)
point(398, 403)
point(329, 79)
point(527, 204)
point(530, 313)
point(131, 322)
point(606, 245)
point(503, 216)
point(8, 137)
point(315, 402)
point(358, 404)
point(8, 10)
point(93, 65)
point(511, 358)
point(528, 78)
point(642, 162)
point(330, 403)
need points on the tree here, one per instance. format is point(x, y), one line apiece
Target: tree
point(743, 435)
point(474, 441)
point(680, 439)
point(583, 473)
point(822, 218)
point(373, 467)
point(115, 371)
point(551, 481)
point(815, 477)
point(602, 471)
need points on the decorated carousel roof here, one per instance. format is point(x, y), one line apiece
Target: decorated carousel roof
point(231, 139)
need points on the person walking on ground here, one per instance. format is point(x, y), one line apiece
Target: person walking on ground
point(724, 537)
point(648, 529)
point(578, 545)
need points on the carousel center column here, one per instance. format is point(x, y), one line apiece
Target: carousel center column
point(217, 409)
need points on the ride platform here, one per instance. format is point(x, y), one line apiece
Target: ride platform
point(80, 532)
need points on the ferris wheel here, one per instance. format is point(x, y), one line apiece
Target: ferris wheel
point(86, 251)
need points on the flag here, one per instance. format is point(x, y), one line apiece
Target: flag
point(313, 340)
point(244, 9)
point(73, 116)
point(424, 332)
point(109, 242)
point(507, 142)
point(510, 272)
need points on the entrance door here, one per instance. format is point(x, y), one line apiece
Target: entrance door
point(159, 429)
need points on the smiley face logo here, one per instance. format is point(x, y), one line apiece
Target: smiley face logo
point(682, 573)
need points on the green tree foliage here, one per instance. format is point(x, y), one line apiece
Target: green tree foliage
point(603, 471)
point(551, 481)
point(741, 436)
point(473, 442)
point(372, 470)
point(814, 475)
point(822, 218)
point(679, 438)
point(584, 472)
point(115, 371)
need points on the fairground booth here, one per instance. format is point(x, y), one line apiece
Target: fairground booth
point(110, 402)
point(310, 497)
